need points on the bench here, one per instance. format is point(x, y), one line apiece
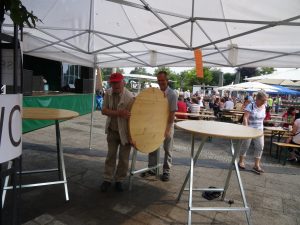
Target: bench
point(284, 146)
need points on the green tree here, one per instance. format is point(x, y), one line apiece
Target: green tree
point(190, 78)
point(228, 78)
point(18, 13)
point(139, 70)
point(247, 72)
point(215, 76)
point(107, 71)
point(266, 70)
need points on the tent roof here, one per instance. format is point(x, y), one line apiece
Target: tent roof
point(286, 91)
point(125, 33)
point(250, 86)
point(292, 75)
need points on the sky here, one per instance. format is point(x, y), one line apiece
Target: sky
point(180, 69)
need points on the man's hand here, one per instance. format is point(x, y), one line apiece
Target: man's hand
point(124, 114)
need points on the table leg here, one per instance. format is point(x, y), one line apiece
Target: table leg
point(61, 154)
point(195, 160)
point(132, 168)
point(271, 141)
point(58, 143)
point(234, 164)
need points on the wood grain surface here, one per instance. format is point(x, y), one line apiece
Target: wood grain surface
point(33, 113)
point(219, 129)
point(148, 120)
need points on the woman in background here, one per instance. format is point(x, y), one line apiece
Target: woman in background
point(254, 116)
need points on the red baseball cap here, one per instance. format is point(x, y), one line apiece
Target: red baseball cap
point(115, 77)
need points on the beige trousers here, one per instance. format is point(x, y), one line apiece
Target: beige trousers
point(110, 170)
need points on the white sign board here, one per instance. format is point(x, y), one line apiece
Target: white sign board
point(10, 127)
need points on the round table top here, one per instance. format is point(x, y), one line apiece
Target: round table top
point(148, 120)
point(219, 129)
point(33, 113)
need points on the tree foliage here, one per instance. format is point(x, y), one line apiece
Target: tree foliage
point(139, 70)
point(228, 78)
point(106, 72)
point(18, 13)
point(266, 70)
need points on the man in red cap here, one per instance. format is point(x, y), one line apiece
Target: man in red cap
point(116, 106)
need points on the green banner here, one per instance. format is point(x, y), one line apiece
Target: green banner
point(81, 103)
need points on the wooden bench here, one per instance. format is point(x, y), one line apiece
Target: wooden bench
point(284, 146)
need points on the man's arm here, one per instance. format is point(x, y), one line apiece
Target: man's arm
point(169, 124)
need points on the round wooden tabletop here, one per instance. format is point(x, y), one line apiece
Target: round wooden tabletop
point(148, 120)
point(33, 113)
point(219, 129)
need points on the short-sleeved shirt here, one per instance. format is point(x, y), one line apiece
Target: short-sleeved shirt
point(296, 138)
point(172, 99)
point(181, 108)
point(257, 116)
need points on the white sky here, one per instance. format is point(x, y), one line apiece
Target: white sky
point(180, 69)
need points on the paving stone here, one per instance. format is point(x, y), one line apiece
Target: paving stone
point(56, 222)
point(274, 197)
point(44, 219)
point(30, 223)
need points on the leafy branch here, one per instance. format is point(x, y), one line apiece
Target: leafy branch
point(18, 13)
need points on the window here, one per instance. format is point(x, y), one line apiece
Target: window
point(70, 74)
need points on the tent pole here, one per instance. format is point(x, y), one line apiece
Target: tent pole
point(93, 103)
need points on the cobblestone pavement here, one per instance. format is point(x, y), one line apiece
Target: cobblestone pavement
point(274, 197)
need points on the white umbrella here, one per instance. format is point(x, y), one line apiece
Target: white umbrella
point(279, 78)
point(249, 86)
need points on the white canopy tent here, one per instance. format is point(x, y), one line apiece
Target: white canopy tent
point(125, 33)
point(249, 86)
point(286, 78)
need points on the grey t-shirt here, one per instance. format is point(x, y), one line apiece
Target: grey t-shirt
point(172, 99)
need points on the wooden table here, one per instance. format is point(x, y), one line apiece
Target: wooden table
point(221, 130)
point(56, 115)
point(195, 115)
point(275, 132)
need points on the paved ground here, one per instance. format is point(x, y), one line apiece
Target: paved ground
point(274, 197)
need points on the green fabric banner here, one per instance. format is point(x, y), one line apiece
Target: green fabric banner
point(81, 103)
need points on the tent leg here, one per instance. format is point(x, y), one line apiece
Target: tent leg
point(93, 105)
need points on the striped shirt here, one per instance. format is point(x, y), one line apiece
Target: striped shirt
point(257, 116)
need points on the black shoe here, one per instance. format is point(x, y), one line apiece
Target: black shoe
point(165, 177)
point(105, 186)
point(148, 173)
point(119, 187)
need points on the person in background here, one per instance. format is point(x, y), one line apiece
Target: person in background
point(270, 103)
point(239, 105)
point(99, 100)
point(229, 105)
point(254, 115)
point(295, 139)
point(188, 103)
point(277, 103)
point(116, 106)
point(221, 104)
point(289, 116)
point(182, 107)
point(246, 102)
point(195, 108)
point(216, 107)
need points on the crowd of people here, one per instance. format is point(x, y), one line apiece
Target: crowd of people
point(117, 101)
